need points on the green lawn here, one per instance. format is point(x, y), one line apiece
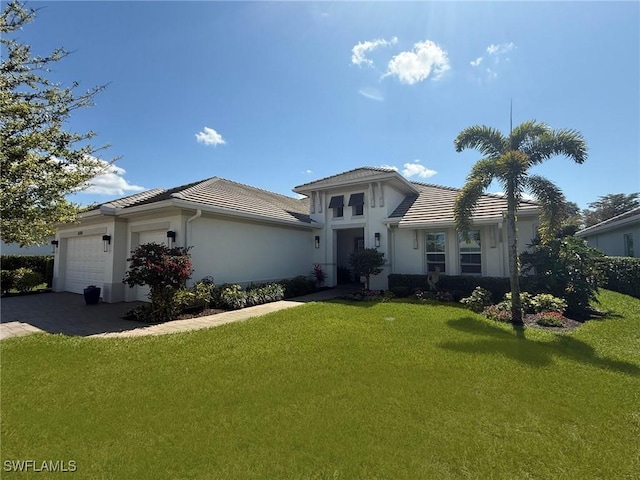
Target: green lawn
point(335, 391)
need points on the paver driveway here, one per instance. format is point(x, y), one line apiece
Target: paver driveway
point(66, 313)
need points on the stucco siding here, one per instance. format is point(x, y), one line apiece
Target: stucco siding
point(244, 252)
point(612, 242)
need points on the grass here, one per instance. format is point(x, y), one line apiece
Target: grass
point(334, 390)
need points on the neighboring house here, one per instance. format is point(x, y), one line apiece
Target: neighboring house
point(618, 236)
point(243, 234)
point(16, 249)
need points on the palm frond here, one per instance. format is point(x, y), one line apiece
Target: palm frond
point(551, 201)
point(565, 142)
point(526, 133)
point(466, 204)
point(487, 140)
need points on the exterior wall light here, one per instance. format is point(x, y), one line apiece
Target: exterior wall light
point(377, 239)
point(317, 241)
point(171, 237)
point(54, 246)
point(106, 241)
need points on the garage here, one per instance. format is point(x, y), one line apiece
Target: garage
point(85, 263)
point(155, 236)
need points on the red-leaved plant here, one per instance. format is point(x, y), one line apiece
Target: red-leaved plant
point(165, 270)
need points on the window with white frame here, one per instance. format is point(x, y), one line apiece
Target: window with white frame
point(435, 251)
point(628, 245)
point(470, 254)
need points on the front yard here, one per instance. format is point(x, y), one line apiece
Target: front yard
point(333, 390)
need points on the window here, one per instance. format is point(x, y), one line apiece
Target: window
point(356, 202)
point(628, 245)
point(435, 251)
point(337, 204)
point(471, 254)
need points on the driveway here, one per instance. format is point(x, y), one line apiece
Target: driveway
point(66, 313)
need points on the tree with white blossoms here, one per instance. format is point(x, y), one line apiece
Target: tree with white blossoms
point(40, 161)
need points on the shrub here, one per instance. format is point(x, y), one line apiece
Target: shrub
point(460, 286)
point(257, 295)
point(165, 270)
point(622, 274)
point(549, 319)
point(498, 313)
point(319, 274)
point(230, 297)
point(478, 300)
point(7, 280)
point(567, 268)
point(545, 302)
point(297, 286)
point(526, 302)
point(26, 279)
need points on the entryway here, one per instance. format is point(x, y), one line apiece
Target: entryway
point(348, 241)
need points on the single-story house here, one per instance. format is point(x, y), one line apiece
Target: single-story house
point(243, 234)
point(616, 236)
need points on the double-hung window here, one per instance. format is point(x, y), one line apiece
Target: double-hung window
point(471, 254)
point(337, 204)
point(356, 202)
point(436, 251)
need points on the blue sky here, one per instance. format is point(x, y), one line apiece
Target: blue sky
point(277, 94)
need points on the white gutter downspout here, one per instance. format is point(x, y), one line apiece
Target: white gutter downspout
point(188, 229)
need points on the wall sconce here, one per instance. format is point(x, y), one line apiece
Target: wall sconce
point(317, 241)
point(376, 236)
point(54, 246)
point(171, 237)
point(106, 241)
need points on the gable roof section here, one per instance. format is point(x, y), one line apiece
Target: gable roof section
point(433, 206)
point(355, 176)
point(220, 194)
point(631, 216)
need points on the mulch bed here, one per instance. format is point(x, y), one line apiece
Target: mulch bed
point(567, 324)
point(202, 313)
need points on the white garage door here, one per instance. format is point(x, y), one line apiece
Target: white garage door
point(156, 236)
point(85, 263)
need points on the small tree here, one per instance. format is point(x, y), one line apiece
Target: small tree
point(367, 262)
point(165, 270)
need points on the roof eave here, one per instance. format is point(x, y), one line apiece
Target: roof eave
point(609, 226)
point(377, 177)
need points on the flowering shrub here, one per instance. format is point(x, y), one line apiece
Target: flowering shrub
point(545, 302)
point(165, 270)
point(549, 319)
point(319, 274)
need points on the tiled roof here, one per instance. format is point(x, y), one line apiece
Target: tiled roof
point(220, 193)
point(611, 222)
point(434, 204)
point(355, 175)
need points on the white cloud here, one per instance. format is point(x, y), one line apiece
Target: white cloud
point(372, 94)
point(111, 182)
point(417, 170)
point(389, 167)
point(491, 74)
point(476, 62)
point(358, 53)
point(500, 49)
point(427, 59)
point(307, 172)
point(525, 196)
point(209, 136)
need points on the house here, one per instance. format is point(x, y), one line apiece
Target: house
point(617, 236)
point(16, 249)
point(243, 234)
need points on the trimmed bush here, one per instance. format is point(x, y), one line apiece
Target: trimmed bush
point(7, 280)
point(233, 297)
point(26, 279)
point(297, 286)
point(478, 300)
point(459, 286)
point(622, 274)
point(42, 264)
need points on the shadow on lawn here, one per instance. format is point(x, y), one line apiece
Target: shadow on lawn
point(537, 353)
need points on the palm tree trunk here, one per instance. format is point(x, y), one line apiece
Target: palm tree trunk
point(514, 265)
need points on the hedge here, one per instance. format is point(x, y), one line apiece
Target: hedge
point(622, 274)
point(42, 264)
point(459, 286)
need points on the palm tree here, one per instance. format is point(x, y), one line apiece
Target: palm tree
point(508, 159)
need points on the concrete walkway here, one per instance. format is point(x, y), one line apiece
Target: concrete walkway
point(67, 314)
